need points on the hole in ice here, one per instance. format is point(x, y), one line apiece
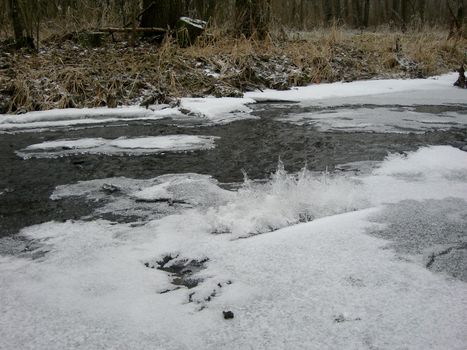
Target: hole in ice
point(181, 270)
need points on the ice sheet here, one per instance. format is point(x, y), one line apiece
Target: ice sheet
point(138, 145)
point(378, 119)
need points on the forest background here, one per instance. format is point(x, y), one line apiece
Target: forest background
point(77, 53)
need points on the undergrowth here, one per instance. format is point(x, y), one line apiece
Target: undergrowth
point(66, 74)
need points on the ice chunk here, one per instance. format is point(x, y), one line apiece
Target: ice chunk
point(139, 145)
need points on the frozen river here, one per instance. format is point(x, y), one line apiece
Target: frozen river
point(324, 217)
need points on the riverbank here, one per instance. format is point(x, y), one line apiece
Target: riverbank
point(64, 73)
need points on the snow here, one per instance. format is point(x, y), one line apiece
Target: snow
point(428, 162)
point(123, 145)
point(56, 118)
point(324, 284)
point(218, 110)
point(358, 89)
point(208, 110)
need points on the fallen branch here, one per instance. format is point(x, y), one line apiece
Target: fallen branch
point(138, 30)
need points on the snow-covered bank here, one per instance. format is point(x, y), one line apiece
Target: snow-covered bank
point(203, 110)
point(358, 88)
point(209, 110)
point(123, 145)
point(60, 118)
point(324, 284)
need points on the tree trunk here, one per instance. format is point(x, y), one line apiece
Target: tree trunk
point(396, 10)
point(421, 10)
point(356, 13)
point(121, 10)
point(337, 9)
point(460, 13)
point(253, 17)
point(405, 11)
point(302, 14)
point(205, 9)
point(327, 11)
point(133, 12)
point(17, 20)
point(366, 14)
point(162, 13)
point(22, 39)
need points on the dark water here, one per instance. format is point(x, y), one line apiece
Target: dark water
point(252, 145)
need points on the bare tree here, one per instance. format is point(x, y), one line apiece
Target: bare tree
point(253, 17)
point(23, 37)
point(162, 13)
point(356, 12)
point(16, 19)
point(421, 10)
point(327, 11)
point(457, 19)
point(366, 14)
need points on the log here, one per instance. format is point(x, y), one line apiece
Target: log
point(462, 81)
point(138, 30)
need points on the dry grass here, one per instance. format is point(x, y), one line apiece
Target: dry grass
point(68, 75)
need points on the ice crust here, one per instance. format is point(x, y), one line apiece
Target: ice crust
point(123, 145)
point(356, 89)
point(324, 284)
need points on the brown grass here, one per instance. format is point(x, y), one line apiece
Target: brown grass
point(68, 75)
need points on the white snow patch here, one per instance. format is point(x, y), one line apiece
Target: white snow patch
point(123, 145)
point(430, 173)
point(209, 110)
point(356, 89)
point(57, 118)
point(92, 290)
point(426, 162)
point(218, 110)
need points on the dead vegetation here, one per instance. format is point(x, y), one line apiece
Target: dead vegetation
point(64, 73)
